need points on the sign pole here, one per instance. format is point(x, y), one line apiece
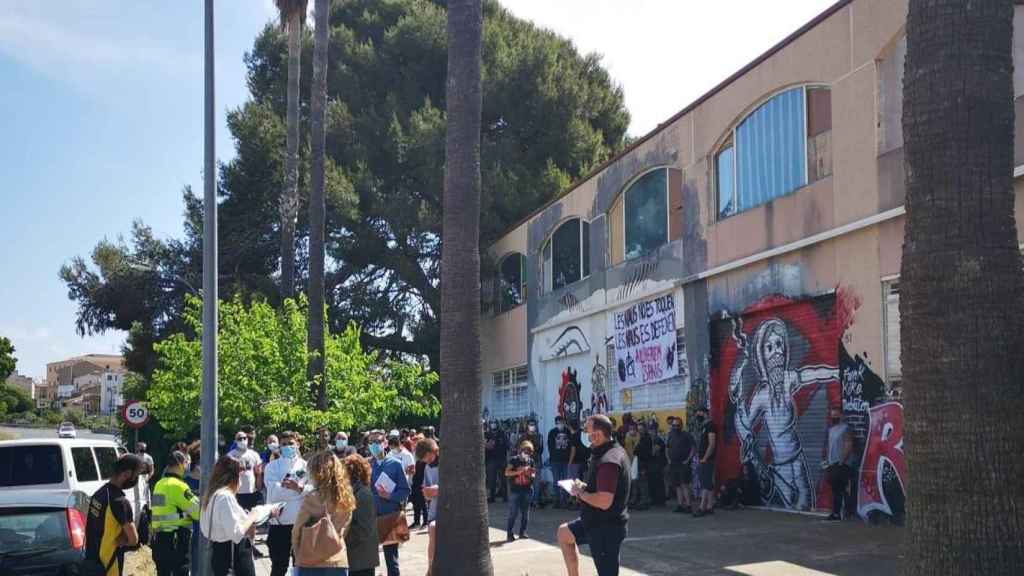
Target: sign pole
point(208, 426)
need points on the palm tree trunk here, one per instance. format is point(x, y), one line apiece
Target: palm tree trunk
point(318, 103)
point(462, 544)
point(962, 294)
point(290, 198)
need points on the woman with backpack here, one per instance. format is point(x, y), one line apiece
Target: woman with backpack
point(318, 535)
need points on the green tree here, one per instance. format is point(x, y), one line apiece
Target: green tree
point(962, 293)
point(262, 374)
point(7, 359)
point(462, 546)
point(16, 400)
point(317, 207)
point(549, 116)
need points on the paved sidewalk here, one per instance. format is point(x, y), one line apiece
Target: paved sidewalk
point(660, 543)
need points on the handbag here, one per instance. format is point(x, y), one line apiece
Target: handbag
point(318, 541)
point(393, 528)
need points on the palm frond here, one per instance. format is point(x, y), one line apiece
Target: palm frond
point(288, 7)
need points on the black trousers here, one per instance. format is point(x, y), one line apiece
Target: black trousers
point(279, 542)
point(171, 552)
point(839, 480)
point(496, 479)
point(228, 556)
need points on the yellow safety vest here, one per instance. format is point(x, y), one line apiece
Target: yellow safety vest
point(174, 505)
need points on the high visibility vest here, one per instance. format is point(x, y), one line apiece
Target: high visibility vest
point(174, 505)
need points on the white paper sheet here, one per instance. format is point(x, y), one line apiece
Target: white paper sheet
point(385, 483)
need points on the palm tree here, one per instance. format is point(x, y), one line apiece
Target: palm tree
point(962, 293)
point(318, 102)
point(462, 545)
point(292, 14)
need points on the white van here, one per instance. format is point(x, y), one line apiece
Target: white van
point(63, 465)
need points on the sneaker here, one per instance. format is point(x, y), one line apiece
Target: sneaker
point(679, 510)
point(414, 526)
point(510, 538)
point(834, 517)
point(524, 536)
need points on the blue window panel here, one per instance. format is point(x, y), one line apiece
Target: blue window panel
point(646, 217)
point(726, 179)
point(770, 150)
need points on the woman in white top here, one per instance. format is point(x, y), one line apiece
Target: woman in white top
point(225, 523)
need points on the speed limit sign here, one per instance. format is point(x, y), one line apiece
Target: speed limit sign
point(135, 414)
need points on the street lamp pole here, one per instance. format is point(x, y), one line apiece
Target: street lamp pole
point(208, 428)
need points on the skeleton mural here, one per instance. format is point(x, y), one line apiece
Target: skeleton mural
point(569, 405)
point(774, 372)
point(599, 394)
point(772, 404)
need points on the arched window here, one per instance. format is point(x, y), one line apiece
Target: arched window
point(566, 254)
point(511, 282)
point(779, 147)
point(645, 219)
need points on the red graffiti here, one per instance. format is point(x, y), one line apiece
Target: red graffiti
point(883, 453)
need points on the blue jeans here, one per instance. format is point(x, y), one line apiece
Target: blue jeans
point(559, 472)
point(391, 559)
point(518, 503)
point(320, 571)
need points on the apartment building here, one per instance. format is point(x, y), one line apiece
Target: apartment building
point(745, 255)
point(79, 382)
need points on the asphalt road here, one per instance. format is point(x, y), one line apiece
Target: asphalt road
point(51, 433)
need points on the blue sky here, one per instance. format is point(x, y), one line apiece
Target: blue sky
point(102, 117)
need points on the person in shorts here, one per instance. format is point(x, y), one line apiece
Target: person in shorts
point(706, 467)
point(603, 497)
point(680, 454)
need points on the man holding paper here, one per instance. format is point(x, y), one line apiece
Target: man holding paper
point(390, 490)
point(603, 500)
point(286, 483)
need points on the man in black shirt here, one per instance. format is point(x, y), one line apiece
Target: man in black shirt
point(495, 456)
point(532, 435)
point(643, 453)
point(110, 525)
point(603, 499)
point(706, 468)
point(521, 474)
point(680, 454)
point(561, 449)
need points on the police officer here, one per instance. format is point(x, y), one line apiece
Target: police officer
point(174, 509)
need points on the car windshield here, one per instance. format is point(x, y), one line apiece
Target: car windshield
point(30, 465)
point(23, 528)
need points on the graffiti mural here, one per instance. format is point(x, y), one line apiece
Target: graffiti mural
point(569, 404)
point(775, 371)
point(599, 393)
point(569, 342)
point(883, 467)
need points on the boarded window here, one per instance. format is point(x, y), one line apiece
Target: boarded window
point(819, 133)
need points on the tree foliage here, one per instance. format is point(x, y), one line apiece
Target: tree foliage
point(262, 375)
point(7, 359)
point(550, 115)
point(16, 400)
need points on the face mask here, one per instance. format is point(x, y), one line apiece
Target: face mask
point(288, 451)
point(273, 447)
point(340, 443)
point(242, 444)
point(376, 450)
point(524, 455)
point(533, 428)
point(560, 426)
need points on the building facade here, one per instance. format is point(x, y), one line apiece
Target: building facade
point(79, 381)
point(26, 383)
point(745, 256)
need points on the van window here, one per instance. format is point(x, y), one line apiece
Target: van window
point(85, 466)
point(106, 457)
point(30, 465)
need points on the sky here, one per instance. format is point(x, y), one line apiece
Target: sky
point(102, 117)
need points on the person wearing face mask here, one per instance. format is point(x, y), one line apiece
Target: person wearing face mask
point(175, 507)
point(110, 527)
point(533, 436)
point(838, 466)
point(341, 448)
point(604, 509)
point(561, 449)
point(272, 450)
point(706, 466)
point(391, 520)
point(251, 465)
point(680, 474)
point(397, 447)
point(192, 478)
point(521, 473)
point(495, 456)
point(286, 482)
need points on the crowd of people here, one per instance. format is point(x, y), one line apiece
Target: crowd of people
point(326, 509)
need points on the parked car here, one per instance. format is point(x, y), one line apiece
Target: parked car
point(42, 532)
point(65, 465)
point(67, 430)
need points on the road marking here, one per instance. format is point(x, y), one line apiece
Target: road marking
point(775, 568)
